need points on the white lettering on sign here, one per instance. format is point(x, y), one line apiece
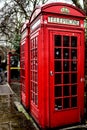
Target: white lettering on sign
point(36, 24)
point(63, 21)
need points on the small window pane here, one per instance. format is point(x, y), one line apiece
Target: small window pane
point(74, 41)
point(66, 78)
point(74, 54)
point(58, 104)
point(66, 66)
point(74, 78)
point(66, 103)
point(58, 66)
point(66, 91)
point(74, 102)
point(58, 91)
point(57, 53)
point(57, 78)
point(66, 41)
point(74, 66)
point(36, 99)
point(57, 40)
point(74, 90)
point(36, 88)
point(33, 97)
point(66, 53)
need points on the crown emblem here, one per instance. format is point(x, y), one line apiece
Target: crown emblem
point(65, 10)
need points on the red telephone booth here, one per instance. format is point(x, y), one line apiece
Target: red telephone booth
point(57, 65)
point(24, 65)
point(12, 67)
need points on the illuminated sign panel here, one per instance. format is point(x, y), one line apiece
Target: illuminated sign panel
point(35, 25)
point(63, 21)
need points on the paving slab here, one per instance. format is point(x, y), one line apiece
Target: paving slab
point(5, 89)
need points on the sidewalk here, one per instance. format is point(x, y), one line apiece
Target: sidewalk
point(10, 117)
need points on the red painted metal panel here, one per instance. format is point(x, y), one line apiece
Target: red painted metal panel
point(62, 8)
point(24, 65)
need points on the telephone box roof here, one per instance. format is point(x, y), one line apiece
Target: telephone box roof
point(56, 7)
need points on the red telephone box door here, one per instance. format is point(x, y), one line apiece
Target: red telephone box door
point(65, 74)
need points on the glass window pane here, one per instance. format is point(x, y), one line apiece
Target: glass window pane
point(74, 54)
point(74, 90)
point(73, 66)
point(66, 41)
point(66, 78)
point(33, 97)
point(58, 79)
point(74, 102)
point(74, 78)
point(74, 41)
point(58, 91)
point(58, 66)
point(36, 99)
point(66, 53)
point(58, 104)
point(57, 40)
point(66, 103)
point(57, 54)
point(66, 65)
point(66, 91)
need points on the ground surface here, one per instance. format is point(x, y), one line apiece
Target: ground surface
point(11, 118)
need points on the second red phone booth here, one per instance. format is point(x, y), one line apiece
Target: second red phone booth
point(56, 65)
point(24, 65)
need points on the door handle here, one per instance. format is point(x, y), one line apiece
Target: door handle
point(82, 80)
point(51, 73)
